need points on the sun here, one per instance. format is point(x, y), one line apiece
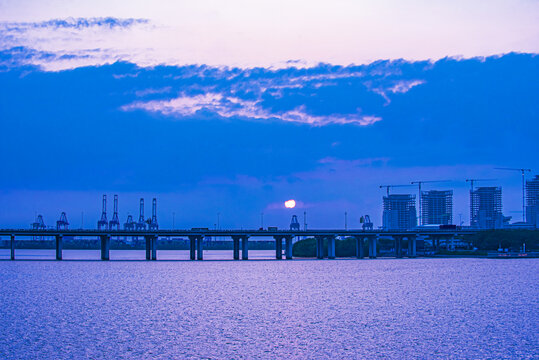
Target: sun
point(290, 204)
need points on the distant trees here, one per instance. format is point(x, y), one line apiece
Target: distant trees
point(506, 239)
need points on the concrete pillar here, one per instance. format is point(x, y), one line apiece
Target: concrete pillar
point(236, 241)
point(192, 247)
point(105, 247)
point(359, 247)
point(147, 242)
point(278, 247)
point(200, 253)
point(319, 247)
point(412, 245)
point(59, 240)
point(245, 247)
point(372, 247)
point(288, 249)
point(331, 247)
point(154, 247)
point(398, 246)
point(12, 246)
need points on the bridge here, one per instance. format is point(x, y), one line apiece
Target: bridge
point(325, 239)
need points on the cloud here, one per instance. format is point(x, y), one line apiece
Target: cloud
point(228, 107)
point(73, 42)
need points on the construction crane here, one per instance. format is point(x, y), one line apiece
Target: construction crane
point(392, 186)
point(419, 193)
point(62, 224)
point(141, 224)
point(472, 181)
point(115, 222)
point(522, 171)
point(103, 223)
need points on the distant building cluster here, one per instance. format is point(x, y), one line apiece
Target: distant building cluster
point(436, 208)
point(532, 201)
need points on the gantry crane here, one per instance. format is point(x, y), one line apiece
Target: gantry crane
point(103, 223)
point(523, 172)
point(419, 193)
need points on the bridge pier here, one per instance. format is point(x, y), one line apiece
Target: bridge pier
point(372, 247)
point(236, 244)
point(148, 243)
point(331, 247)
point(359, 247)
point(319, 247)
point(398, 246)
point(59, 240)
point(245, 247)
point(200, 254)
point(412, 245)
point(105, 247)
point(288, 249)
point(278, 247)
point(192, 247)
point(12, 247)
point(154, 247)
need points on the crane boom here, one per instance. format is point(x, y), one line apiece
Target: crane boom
point(523, 172)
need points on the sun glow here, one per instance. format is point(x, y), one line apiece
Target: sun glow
point(290, 204)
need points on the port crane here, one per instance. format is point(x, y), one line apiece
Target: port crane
point(419, 192)
point(523, 172)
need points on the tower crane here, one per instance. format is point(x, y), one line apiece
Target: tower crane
point(419, 193)
point(522, 171)
point(472, 181)
point(392, 186)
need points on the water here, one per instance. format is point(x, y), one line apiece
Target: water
point(378, 309)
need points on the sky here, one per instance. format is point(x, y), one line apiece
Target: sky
point(233, 108)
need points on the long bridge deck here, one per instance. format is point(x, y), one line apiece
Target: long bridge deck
point(325, 239)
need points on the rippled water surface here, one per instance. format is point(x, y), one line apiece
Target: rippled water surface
point(385, 309)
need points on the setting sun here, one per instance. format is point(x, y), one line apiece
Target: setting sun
point(290, 204)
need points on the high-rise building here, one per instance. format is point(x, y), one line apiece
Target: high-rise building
point(532, 201)
point(399, 212)
point(486, 208)
point(437, 207)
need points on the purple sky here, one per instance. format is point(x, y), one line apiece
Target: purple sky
point(235, 109)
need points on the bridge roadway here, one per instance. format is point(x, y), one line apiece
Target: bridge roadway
point(325, 239)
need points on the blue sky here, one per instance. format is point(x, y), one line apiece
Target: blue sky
point(116, 100)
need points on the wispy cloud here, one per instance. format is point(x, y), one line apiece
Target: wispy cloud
point(73, 42)
point(228, 107)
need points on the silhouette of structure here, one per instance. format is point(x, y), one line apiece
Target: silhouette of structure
point(103, 223)
point(141, 224)
point(114, 223)
point(62, 224)
point(399, 212)
point(294, 224)
point(486, 208)
point(152, 224)
point(437, 207)
point(366, 222)
point(129, 224)
point(532, 201)
point(39, 224)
